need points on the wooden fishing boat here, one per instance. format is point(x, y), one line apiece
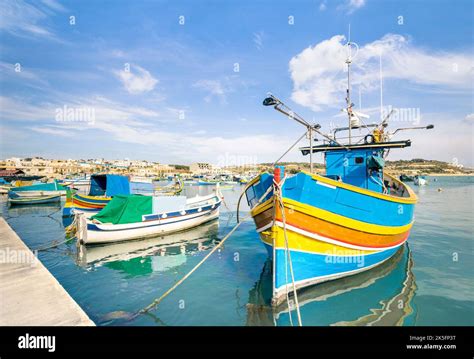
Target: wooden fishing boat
point(102, 188)
point(352, 218)
point(81, 183)
point(35, 200)
point(135, 216)
point(38, 190)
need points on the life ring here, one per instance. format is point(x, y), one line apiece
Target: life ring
point(369, 139)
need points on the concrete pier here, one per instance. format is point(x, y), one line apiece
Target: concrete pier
point(29, 293)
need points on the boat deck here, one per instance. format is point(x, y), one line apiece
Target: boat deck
point(29, 293)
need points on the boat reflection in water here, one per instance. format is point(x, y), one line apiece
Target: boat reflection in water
point(157, 254)
point(380, 296)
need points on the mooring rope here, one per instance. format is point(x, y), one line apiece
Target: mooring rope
point(157, 301)
point(53, 245)
point(288, 255)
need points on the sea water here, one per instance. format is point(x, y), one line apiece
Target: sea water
point(428, 282)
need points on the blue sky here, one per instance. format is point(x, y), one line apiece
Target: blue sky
point(161, 76)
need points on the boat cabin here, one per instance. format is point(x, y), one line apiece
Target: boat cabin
point(359, 165)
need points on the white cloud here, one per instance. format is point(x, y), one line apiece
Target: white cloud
point(48, 130)
point(20, 18)
point(351, 5)
point(133, 126)
point(318, 71)
point(137, 80)
point(53, 4)
point(469, 117)
point(323, 6)
point(215, 88)
point(258, 39)
point(18, 109)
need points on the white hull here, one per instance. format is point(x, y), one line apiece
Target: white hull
point(138, 179)
point(34, 200)
point(420, 182)
point(109, 233)
point(86, 214)
point(38, 193)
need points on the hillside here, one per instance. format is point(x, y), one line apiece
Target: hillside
point(409, 167)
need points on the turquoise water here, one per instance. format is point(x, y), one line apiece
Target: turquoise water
point(428, 282)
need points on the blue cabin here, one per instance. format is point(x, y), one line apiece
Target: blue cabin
point(360, 165)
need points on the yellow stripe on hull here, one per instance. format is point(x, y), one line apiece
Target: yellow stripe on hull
point(300, 242)
point(333, 218)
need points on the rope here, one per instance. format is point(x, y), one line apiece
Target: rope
point(230, 214)
point(54, 245)
point(270, 188)
point(157, 301)
point(288, 255)
point(68, 230)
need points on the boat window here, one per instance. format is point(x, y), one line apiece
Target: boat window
point(359, 160)
point(250, 193)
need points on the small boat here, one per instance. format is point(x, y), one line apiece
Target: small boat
point(420, 180)
point(190, 182)
point(102, 188)
point(35, 200)
point(38, 190)
point(354, 217)
point(4, 188)
point(243, 180)
point(406, 178)
point(136, 216)
point(208, 182)
point(77, 183)
point(171, 189)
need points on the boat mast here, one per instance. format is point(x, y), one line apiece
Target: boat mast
point(381, 85)
point(310, 133)
point(348, 92)
point(349, 103)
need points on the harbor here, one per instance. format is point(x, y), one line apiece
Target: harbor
point(238, 176)
point(326, 231)
point(233, 287)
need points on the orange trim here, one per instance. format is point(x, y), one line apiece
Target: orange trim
point(330, 230)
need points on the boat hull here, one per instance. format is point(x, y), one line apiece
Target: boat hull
point(327, 230)
point(27, 194)
point(86, 205)
point(34, 200)
point(106, 233)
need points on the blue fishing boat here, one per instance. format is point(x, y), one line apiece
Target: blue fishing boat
point(102, 188)
point(353, 217)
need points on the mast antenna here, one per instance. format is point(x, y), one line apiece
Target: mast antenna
point(349, 58)
point(381, 85)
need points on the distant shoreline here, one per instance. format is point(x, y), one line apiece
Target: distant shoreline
point(439, 174)
point(451, 174)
